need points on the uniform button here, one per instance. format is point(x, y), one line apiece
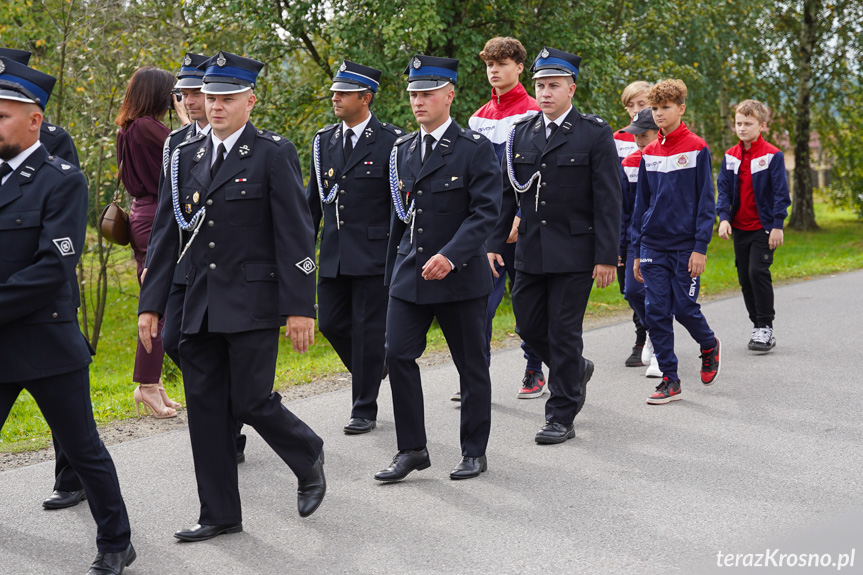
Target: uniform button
point(542, 166)
point(341, 222)
point(344, 177)
point(464, 265)
point(212, 245)
point(446, 185)
point(315, 307)
point(341, 207)
point(419, 250)
point(544, 184)
point(209, 202)
point(420, 192)
point(571, 160)
point(368, 173)
point(211, 223)
point(272, 274)
point(542, 203)
point(342, 192)
point(243, 193)
point(419, 230)
point(543, 222)
point(18, 222)
point(419, 212)
point(590, 229)
point(54, 315)
point(212, 266)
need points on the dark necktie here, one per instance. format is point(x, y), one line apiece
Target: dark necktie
point(5, 169)
point(429, 141)
point(552, 128)
point(349, 144)
point(220, 159)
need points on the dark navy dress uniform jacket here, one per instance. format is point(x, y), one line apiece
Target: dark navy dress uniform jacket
point(576, 224)
point(356, 245)
point(252, 263)
point(458, 194)
point(43, 216)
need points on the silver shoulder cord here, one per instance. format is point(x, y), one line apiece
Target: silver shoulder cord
point(510, 171)
point(196, 220)
point(329, 198)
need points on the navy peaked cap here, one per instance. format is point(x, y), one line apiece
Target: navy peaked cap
point(23, 84)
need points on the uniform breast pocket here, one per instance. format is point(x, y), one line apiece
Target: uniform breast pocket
point(449, 195)
point(370, 181)
point(19, 235)
point(574, 169)
point(245, 203)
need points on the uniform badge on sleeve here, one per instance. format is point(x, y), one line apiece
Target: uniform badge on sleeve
point(64, 246)
point(307, 266)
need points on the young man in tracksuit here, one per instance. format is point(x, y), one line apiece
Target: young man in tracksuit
point(634, 99)
point(644, 131)
point(504, 62)
point(753, 201)
point(672, 224)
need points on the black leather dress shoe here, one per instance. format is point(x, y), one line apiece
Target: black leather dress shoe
point(358, 425)
point(311, 490)
point(553, 432)
point(241, 457)
point(588, 373)
point(112, 563)
point(64, 499)
point(469, 467)
point(204, 532)
point(404, 462)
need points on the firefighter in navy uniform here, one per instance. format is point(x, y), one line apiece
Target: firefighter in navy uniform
point(564, 166)
point(445, 182)
point(189, 83)
point(250, 251)
point(43, 217)
point(349, 189)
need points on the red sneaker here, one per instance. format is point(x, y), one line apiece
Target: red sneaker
point(533, 385)
point(666, 392)
point(710, 364)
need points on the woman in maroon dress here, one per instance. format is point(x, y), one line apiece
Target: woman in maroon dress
point(139, 150)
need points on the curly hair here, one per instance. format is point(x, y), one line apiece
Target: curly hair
point(753, 108)
point(667, 91)
point(502, 47)
point(633, 90)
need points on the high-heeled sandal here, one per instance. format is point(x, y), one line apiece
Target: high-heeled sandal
point(167, 400)
point(160, 411)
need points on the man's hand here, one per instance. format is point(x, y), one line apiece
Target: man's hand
point(492, 259)
point(697, 263)
point(181, 111)
point(636, 270)
point(148, 329)
point(513, 233)
point(301, 330)
point(776, 239)
point(604, 275)
point(725, 229)
point(437, 268)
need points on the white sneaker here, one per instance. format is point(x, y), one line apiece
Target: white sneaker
point(762, 339)
point(647, 351)
point(653, 369)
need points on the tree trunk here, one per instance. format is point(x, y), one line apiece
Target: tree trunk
point(803, 213)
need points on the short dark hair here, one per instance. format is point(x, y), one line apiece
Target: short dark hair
point(367, 91)
point(148, 94)
point(502, 47)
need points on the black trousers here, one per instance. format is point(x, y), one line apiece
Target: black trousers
point(549, 311)
point(352, 315)
point(65, 402)
point(463, 326)
point(229, 377)
point(640, 330)
point(753, 258)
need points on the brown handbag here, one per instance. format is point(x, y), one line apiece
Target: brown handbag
point(114, 221)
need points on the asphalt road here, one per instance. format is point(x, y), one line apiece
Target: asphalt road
point(766, 460)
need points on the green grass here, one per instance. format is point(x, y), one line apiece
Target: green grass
point(837, 247)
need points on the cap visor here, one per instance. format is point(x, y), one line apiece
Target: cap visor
point(223, 88)
point(551, 72)
point(347, 87)
point(16, 97)
point(426, 85)
point(633, 129)
point(191, 83)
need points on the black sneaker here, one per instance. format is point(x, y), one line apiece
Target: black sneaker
point(456, 396)
point(533, 385)
point(710, 364)
point(634, 360)
point(666, 392)
point(762, 339)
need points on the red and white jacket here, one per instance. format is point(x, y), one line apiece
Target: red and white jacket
point(495, 119)
point(625, 143)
